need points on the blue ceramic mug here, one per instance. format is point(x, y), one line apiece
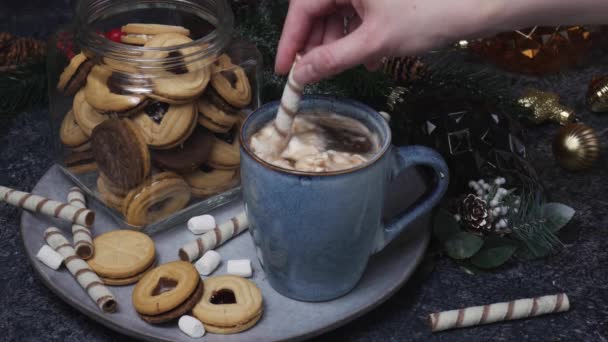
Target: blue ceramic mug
point(314, 232)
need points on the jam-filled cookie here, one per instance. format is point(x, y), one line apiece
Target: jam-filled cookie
point(225, 152)
point(229, 305)
point(86, 116)
point(122, 257)
point(188, 156)
point(71, 134)
point(121, 152)
point(160, 196)
point(182, 81)
point(165, 126)
point(140, 34)
point(207, 181)
point(215, 114)
point(167, 292)
point(231, 82)
point(74, 76)
point(102, 96)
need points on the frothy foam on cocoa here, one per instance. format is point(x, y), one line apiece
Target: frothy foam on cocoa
point(319, 142)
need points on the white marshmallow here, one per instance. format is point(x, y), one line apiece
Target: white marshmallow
point(241, 268)
point(49, 257)
point(191, 326)
point(208, 263)
point(201, 224)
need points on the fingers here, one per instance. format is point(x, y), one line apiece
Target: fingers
point(298, 26)
point(334, 29)
point(329, 59)
point(316, 36)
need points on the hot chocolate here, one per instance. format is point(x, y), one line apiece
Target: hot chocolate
point(319, 142)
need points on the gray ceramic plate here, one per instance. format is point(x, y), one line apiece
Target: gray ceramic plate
point(284, 319)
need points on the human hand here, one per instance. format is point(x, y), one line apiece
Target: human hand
point(378, 28)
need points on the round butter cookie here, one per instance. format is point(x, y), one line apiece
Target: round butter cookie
point(167, 292)
point(231, 82)
point(122, 256)
point(160, 196)
point(229, 305)
point(165, 126)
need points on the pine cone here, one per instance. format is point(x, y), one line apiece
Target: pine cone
point(5, 39)
point(404, 68)
point(474, 214)
point(21, 50)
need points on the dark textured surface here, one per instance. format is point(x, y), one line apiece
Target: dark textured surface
point(30, 312)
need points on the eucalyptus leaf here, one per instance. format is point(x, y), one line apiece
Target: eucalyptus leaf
point(495, 252)
point(445, 225)
point(463, 245)
point(557, 215)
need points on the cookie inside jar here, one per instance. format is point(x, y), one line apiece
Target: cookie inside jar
point(179, 83)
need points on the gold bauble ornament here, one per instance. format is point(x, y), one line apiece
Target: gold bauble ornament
point(576, 147)
point(597, 96)
point(545, 107)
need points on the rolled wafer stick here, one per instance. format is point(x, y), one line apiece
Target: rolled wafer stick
point(214, 238)
point(84, 275)
point(290, 103)
point(506, 311)
point(82, 237)
point(39, 204)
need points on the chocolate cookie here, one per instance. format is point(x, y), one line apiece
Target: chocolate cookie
point(187, 156)
point(231, 82)
point(165, 126)
point(207, 181)
point(167, 292)
point(162, 195)
point(183, 81)
point(121, 152)
point(140, 34)
point(75, 75)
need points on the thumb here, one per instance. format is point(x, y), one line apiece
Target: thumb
point(330, 59)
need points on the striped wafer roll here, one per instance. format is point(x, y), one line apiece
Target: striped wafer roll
point(82, 237)
point(214, 238)
point(84, 275)
point(290, 103)
point(516, 309)
point(39, 204)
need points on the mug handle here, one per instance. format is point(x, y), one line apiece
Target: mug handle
point(406, 157)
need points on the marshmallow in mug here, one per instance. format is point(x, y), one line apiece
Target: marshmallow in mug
point(208, 263)
point(241, 268)
point(201, 224)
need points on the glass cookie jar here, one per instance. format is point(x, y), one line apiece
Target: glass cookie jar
point(146, 101)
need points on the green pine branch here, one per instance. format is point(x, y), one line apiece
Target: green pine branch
point(530, 227)
point(23, 87)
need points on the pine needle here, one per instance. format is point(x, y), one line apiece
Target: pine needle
point(530, 227)
point(23, 87)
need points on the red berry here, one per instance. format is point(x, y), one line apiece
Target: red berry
point(70, 54)
point(114, 35)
